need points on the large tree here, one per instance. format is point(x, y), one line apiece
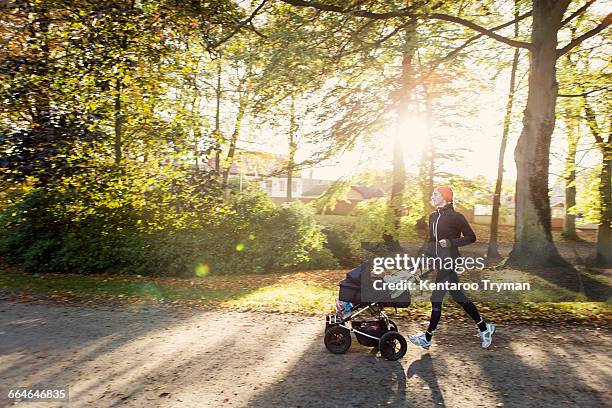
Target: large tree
point(585, 92)
point(492, 249)
point(533, 239)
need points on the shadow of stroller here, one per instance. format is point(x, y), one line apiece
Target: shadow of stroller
point(424, 368)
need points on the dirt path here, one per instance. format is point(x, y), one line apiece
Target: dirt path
point(162, 356)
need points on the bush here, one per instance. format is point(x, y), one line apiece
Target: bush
point(162, 229)
point(343, 244)
point(267, 238)
point(369, 220)
point(374, 218)
point(38, 233)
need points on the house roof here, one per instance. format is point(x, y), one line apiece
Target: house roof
point(315, 191)
point(368, 192)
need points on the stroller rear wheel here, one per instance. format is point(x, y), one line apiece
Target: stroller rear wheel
point(337, 339)
point(392, 346)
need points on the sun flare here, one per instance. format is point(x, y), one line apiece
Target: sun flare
point(414, 136)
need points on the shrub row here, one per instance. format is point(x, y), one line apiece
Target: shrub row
point(68, 231)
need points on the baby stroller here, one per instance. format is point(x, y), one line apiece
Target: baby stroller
point(377, 331)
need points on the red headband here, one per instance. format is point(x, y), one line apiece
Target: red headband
point(446, 192)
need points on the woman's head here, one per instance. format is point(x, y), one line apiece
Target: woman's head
point(441, 196)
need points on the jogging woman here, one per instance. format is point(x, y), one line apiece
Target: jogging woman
point(449, 230)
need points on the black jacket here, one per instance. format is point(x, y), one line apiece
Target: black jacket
point(446, 223)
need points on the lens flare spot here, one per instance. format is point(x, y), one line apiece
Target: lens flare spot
point(251, 237)
point(240, 247)
point(202, 270)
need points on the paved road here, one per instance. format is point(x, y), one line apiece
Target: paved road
point(171, 357)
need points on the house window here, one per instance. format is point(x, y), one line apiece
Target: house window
point(268, 185)
point(294, 185)
point(282, 185)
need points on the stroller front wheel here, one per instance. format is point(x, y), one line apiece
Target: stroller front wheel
point(337, 339)
point(392, 346)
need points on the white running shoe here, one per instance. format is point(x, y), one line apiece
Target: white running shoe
point(487, 335)
point(420, 340)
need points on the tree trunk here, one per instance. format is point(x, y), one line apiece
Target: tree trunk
point(427, 167)
point(196, 144)
point(492, 250)
point(218, 93)
point(232, 146)
point(292, 148)
point(533, 238)
point(572, 123)
point(430, 176)
point(244, 92)
point(405, 98)
point(569, 229)
point(118, 124)
point(399, 180)
point(603, 255)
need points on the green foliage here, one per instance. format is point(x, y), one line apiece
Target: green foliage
point(369, 220)
point(336, 192)
point(588, 201)
point(469, 192)
point(375, 218)
point(158, 228)
point(89, 225)
point(343, 244)
point(257, 237)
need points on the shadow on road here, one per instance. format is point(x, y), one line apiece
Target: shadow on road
point(175, 357)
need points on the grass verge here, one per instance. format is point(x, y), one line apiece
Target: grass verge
point(311, 292)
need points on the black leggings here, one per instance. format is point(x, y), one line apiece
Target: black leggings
point(437, 297)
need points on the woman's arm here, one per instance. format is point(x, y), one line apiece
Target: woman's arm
point(429, 245)
point(468, 235)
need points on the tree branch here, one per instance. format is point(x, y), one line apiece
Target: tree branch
point(405, 12)
point(256, 31)
point(576, 41)
point(480, 29)
point(583, 94)
point(377, 43)
point(577, 12)
point(470, 40)
point(592, 122)
point(238, 27)
point(409, 12)
point(380, 41)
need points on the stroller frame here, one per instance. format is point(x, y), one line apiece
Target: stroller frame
point(338, 332)
point(375, 309)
